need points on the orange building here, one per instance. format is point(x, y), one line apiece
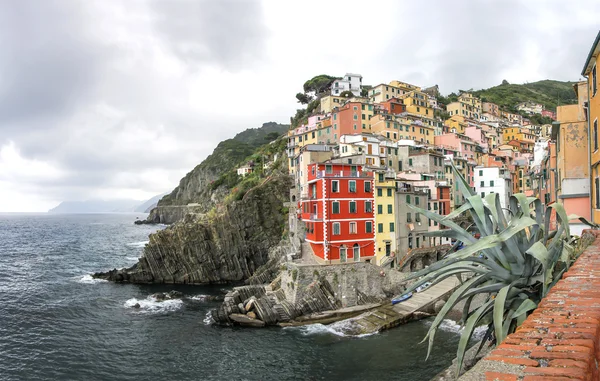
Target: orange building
point(590, 72)
point(572, 167)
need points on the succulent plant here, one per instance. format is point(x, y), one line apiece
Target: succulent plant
point(513, 264)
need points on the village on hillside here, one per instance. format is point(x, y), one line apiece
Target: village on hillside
point(365, 153)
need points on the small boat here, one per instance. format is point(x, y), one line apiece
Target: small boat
point(401, 298)
point(423, 287)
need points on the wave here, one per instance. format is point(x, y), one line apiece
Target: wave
point(133, 259)
point(87, 279)
point(343, 328)
point(151, 305)
point(449, 325)
point(138, 244)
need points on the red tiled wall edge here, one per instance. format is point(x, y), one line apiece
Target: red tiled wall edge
point(560, 339)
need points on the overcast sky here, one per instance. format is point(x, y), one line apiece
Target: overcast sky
point(119, 99)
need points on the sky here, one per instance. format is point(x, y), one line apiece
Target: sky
point(111, 99)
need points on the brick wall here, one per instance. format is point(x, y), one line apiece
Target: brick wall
point(560, 340)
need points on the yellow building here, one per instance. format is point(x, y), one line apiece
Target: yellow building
point(386, 125)
point(329, 102)
point(385, 240)
point(467, 106)
point(520, 134)
point(417, 102)
point(456, 124)
point(590, 72)
point(394, 89)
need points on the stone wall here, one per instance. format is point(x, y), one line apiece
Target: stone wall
point(350, 281)
point(560, 340)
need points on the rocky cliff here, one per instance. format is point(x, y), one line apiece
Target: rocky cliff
point(227, 246)
point(201, 186)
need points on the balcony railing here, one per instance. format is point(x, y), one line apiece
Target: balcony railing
point(322, 174)
point(315, 217)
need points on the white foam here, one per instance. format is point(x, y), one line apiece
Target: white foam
point(449, 325)
point(343, 328)
point(138, 244)
point(87, 279)
point(133, 259)
point(208, 320)
point(200, 297)
point(151, 305)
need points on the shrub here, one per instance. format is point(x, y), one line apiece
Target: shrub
point(515, 262)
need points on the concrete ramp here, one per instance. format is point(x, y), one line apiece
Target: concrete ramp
point(387, 316)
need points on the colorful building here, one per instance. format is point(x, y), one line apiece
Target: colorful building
point(338, 213)
point(386, 242)
point(571, 137)
point(590, 72)
point(467, 106)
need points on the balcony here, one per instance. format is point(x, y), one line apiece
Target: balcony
point(354, 174)
point(315, 217)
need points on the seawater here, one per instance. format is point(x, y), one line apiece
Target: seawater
point(57, 323)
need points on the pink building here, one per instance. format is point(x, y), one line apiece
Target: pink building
point(476, 134)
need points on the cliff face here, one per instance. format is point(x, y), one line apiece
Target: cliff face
point(221, 248)
point(198, 188)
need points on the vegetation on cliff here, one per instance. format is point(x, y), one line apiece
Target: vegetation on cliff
point(549, 93)
point(196, 187)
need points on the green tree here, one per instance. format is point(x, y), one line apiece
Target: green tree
point(319, 84)
point(347, 94)
point(303, 98)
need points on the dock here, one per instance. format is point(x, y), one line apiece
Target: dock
point(387, 316)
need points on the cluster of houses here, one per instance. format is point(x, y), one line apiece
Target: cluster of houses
point(359, 161)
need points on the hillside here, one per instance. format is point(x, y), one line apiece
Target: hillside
point(547, 92)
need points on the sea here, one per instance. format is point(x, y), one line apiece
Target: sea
point(58, 323)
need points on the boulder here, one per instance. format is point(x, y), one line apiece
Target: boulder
point(437, 307)
point(137, 305)
point(175, 294)
point(246, 321)
point(159, 296)
point(250, 304)
point(251, 315)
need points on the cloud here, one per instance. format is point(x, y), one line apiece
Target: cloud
point(113, 99)
point(226, 33)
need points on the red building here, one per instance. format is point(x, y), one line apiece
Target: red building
point(338, 212)
point(393, 106)
point(549, 113)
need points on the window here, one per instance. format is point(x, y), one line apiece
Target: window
point(379, 209)
point(336, 228)
point(410, 162)
point(367, 186)
point(368, 207)
point(417, 200)
point(389, 209)
point(482, 184)
point(435, 206)
point(356, 252)
point(594, 80)
point(379, 228)
point(335, 207)
point(408, 199)
point(352, 206)
point(418, 217)
point(391, 227)
point(596, 135)
point(328, 169)
point(482, 194)
point(368, 227)
point(380, 176)
point(480, 172)
point(379, 192)
point(352, 186)
point(597, 186)
point(335, 186)
point(492, 183)
point(408, 217)
point(352, 227)
point(417, 242)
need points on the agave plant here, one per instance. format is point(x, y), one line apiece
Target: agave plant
point(513, 264)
